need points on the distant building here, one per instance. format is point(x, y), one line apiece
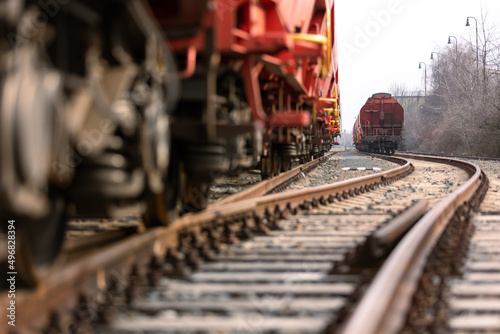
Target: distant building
point(410, 100)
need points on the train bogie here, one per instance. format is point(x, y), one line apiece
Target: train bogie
point(84, 117)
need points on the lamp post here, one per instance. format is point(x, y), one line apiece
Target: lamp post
point(456, 43)
point(477, 38)
point(425, 73)
point(432, 58)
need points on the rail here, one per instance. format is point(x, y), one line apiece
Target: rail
point(294, 199)
point(386, 302)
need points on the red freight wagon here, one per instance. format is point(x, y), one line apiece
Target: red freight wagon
point(144, 103)
point(379, 125)
point(259, 81)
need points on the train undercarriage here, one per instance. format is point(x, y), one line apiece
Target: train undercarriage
point(377, 145)
point(107, 105)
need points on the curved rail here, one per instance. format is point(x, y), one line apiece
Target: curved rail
point(387, 300)
point(445, 155)
point(95, 270)
point(293, 199)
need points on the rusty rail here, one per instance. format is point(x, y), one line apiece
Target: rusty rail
point(379, 244)
point(296, 198)
point(389, 234)
point(97, 269)
point(386, 302)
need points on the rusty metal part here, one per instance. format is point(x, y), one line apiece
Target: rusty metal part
point(379, 244)
point(87, 274)
point(395, 229)
point(386, 302)
point(101, 238)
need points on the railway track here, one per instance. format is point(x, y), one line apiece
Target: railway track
point(276, 184)
point(287, 262)
point(473, 296)
point(409, 287)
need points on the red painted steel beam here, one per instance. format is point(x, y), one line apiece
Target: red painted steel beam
point(289, 119)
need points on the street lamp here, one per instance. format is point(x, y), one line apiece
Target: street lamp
point(456, 43)
point(477, 38)
point(425, 73)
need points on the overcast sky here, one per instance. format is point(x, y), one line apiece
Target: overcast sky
point(382, 41)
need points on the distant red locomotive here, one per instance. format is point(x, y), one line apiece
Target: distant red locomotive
point(379, 125)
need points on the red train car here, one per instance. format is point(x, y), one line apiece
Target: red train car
point(143, 103)
point(259, 82)
point(379, 125)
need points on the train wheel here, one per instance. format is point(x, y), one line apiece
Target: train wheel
point(267, 166)
point(266, 170)
point(286, 163)
point(276, 163)
point(287, 151)
point(163, 208)
point(194, 195)
point(39, 242)
point(203, 162)
point(33, 136)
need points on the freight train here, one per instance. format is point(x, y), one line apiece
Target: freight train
point(106, 104)
point(379, 125)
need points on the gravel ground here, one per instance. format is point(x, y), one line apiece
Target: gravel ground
point(429, 181)
point(333, 170)
point(228, 185)
point(328, 172)
point(491, 203)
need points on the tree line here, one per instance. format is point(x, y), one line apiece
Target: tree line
point(461, 112)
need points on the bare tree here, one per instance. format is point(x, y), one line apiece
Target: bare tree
point(462, 112)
